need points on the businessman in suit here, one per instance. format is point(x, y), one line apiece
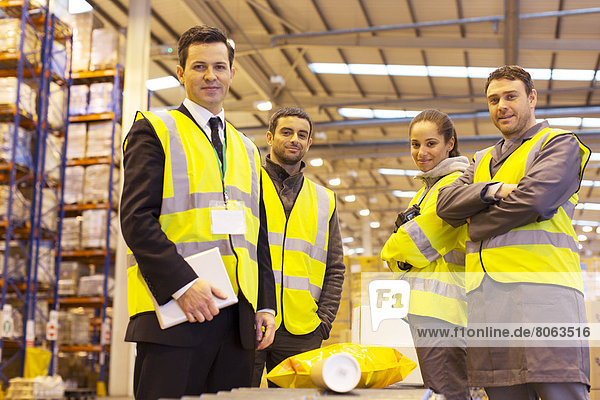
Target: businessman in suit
point(184, 169)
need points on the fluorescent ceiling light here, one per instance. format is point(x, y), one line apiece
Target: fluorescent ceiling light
point(590, 122)
point(166, 82)
point(587, 228)
point(581, 238)
point(348, 239)
point(335, 181)
point(395, 171)
point(365, 212)
point(585, 223)
point(263, 105)
point(374, 224)
point(448, 71)
point(359, 250)
point(316, 162)
point(408, 194)
point(588, 206)
point(595, 157)
point(589, 183)
point(79, 6)
point(350, 198)
point(573, 121)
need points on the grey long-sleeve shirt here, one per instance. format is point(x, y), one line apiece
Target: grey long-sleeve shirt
point(288, 186)
point(549, 183)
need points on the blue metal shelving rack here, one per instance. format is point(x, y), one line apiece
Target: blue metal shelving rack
point(104, 256)
point(34, 66)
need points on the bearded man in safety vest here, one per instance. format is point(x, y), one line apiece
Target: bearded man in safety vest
point(192, 183)
point(305, 241)
point(522, 261)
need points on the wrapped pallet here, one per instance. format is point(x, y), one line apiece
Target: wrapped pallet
point(53, 162)
point(101, 98)
point(99, 139)
point(79, 99)
point(82, 37)
point(27, 96)
point(23, 156)
point(95, 187)
point(71, 233)
point(49, 209)
point(104, 49)
point(76, 145)
point(93, 229)
point(74, 178)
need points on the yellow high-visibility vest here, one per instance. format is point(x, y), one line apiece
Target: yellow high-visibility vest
point(436, 250)
point(192, 184)
point(298, 252)
point(539, 252)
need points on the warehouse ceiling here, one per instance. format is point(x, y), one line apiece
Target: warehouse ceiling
point(277, 41)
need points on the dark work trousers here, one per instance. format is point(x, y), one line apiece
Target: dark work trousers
point(542, 390)
point(217, 362)
point(443, 362)
point(285, 345)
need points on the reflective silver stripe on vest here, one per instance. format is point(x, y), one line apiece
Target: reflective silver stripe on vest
point(179, 169)
point(178, 204)
point(297, 283)
point(569, 209)
point(235, 193)
point(535, 150)
point(533, 237)
point(275, 239)
point(455, 257)
point(314, 252)
point(322, 219)
point(472, 247)
point(187, 249)
point(479, 156)
point(255, 189)
point(131, 261)
point(418, 237)
point(434, 286)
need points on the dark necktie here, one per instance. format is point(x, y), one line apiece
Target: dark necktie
point(214, 123)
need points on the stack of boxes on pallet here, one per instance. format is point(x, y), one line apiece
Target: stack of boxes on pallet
point(87, 176)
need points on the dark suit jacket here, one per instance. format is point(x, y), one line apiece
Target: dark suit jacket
point(163, 268)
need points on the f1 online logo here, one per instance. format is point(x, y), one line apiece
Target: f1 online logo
point(388, 299)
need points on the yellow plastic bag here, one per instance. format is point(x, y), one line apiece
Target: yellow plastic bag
point(36, 362)
point(379, 366)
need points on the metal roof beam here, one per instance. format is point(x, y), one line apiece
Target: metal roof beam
point(511, 32)
point(417, 25)
point(379, 122)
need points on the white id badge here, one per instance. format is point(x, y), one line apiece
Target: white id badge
point(227, 219)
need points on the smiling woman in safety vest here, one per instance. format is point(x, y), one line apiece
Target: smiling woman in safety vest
point(433, 254)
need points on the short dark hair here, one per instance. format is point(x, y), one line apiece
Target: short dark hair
point(289, 112)
point(202, 34)
point(444, 125)
point(512, 73)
